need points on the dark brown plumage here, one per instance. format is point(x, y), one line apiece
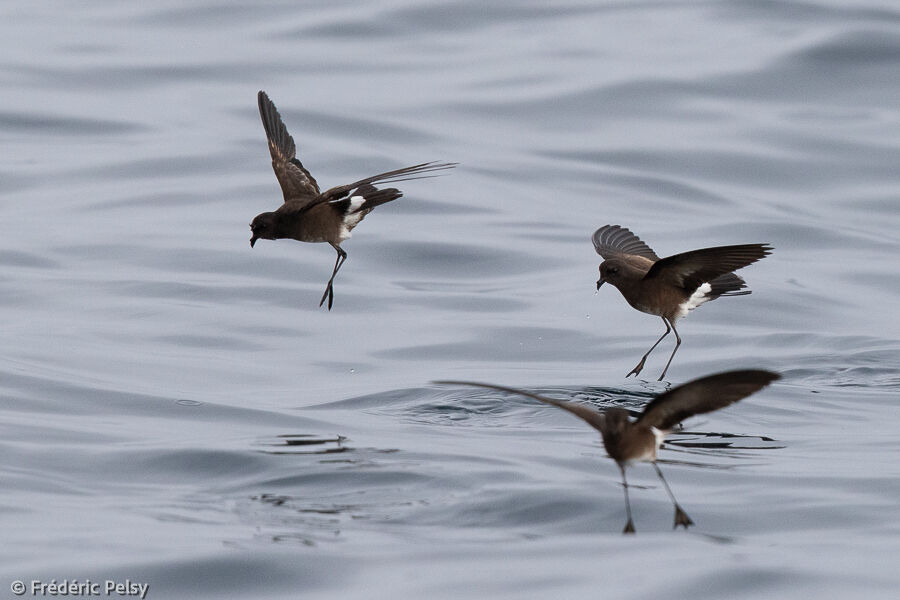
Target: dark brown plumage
point(626, 441)
point(673, 286)
point(309, 215)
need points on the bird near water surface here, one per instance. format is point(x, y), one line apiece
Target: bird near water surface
point(629, 441)
point(670, 287)
point(309, 215)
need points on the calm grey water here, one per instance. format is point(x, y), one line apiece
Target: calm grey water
point(176, 410)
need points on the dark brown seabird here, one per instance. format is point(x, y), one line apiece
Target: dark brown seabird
point(309, 215)
point(673, 286)
point(627, 442)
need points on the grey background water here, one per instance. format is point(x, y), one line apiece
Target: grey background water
point(176, 409)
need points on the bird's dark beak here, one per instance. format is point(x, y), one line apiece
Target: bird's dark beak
point(253, 241)
point(600, 282)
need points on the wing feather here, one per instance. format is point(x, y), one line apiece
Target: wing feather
point(296, 182)
point(614, 240)
point(340, 192)
point(692, 269)
point(593, 417)
point(702, 396)
point(404, 174)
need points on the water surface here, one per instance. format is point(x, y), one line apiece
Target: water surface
point(177, 410)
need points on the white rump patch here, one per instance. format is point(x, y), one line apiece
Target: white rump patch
point(356, 202)
point(697, 298)
point(353, 216)
point(659, 435)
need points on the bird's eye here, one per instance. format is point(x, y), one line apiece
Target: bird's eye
point(614, 269)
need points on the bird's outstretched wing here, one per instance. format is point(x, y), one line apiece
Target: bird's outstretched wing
point(594, 417)
point(702, 396)
point(404, 174)
point(296, 182)
point(339, 193)
point(692, 269)
point(611, 241)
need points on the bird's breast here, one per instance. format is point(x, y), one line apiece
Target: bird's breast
point(640, 444)
point(318, 224)
point(647, 299)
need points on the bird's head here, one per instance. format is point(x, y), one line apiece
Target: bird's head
point(610, 272)
point(263, 226)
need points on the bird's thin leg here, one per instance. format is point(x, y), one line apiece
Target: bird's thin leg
point(677, 343)
point(681, 517)
point(637, 370)
point(329, 289)
point(629, 526)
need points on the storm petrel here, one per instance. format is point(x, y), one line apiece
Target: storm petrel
point(673, 286)
point(629, 441)
point(309, 215)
